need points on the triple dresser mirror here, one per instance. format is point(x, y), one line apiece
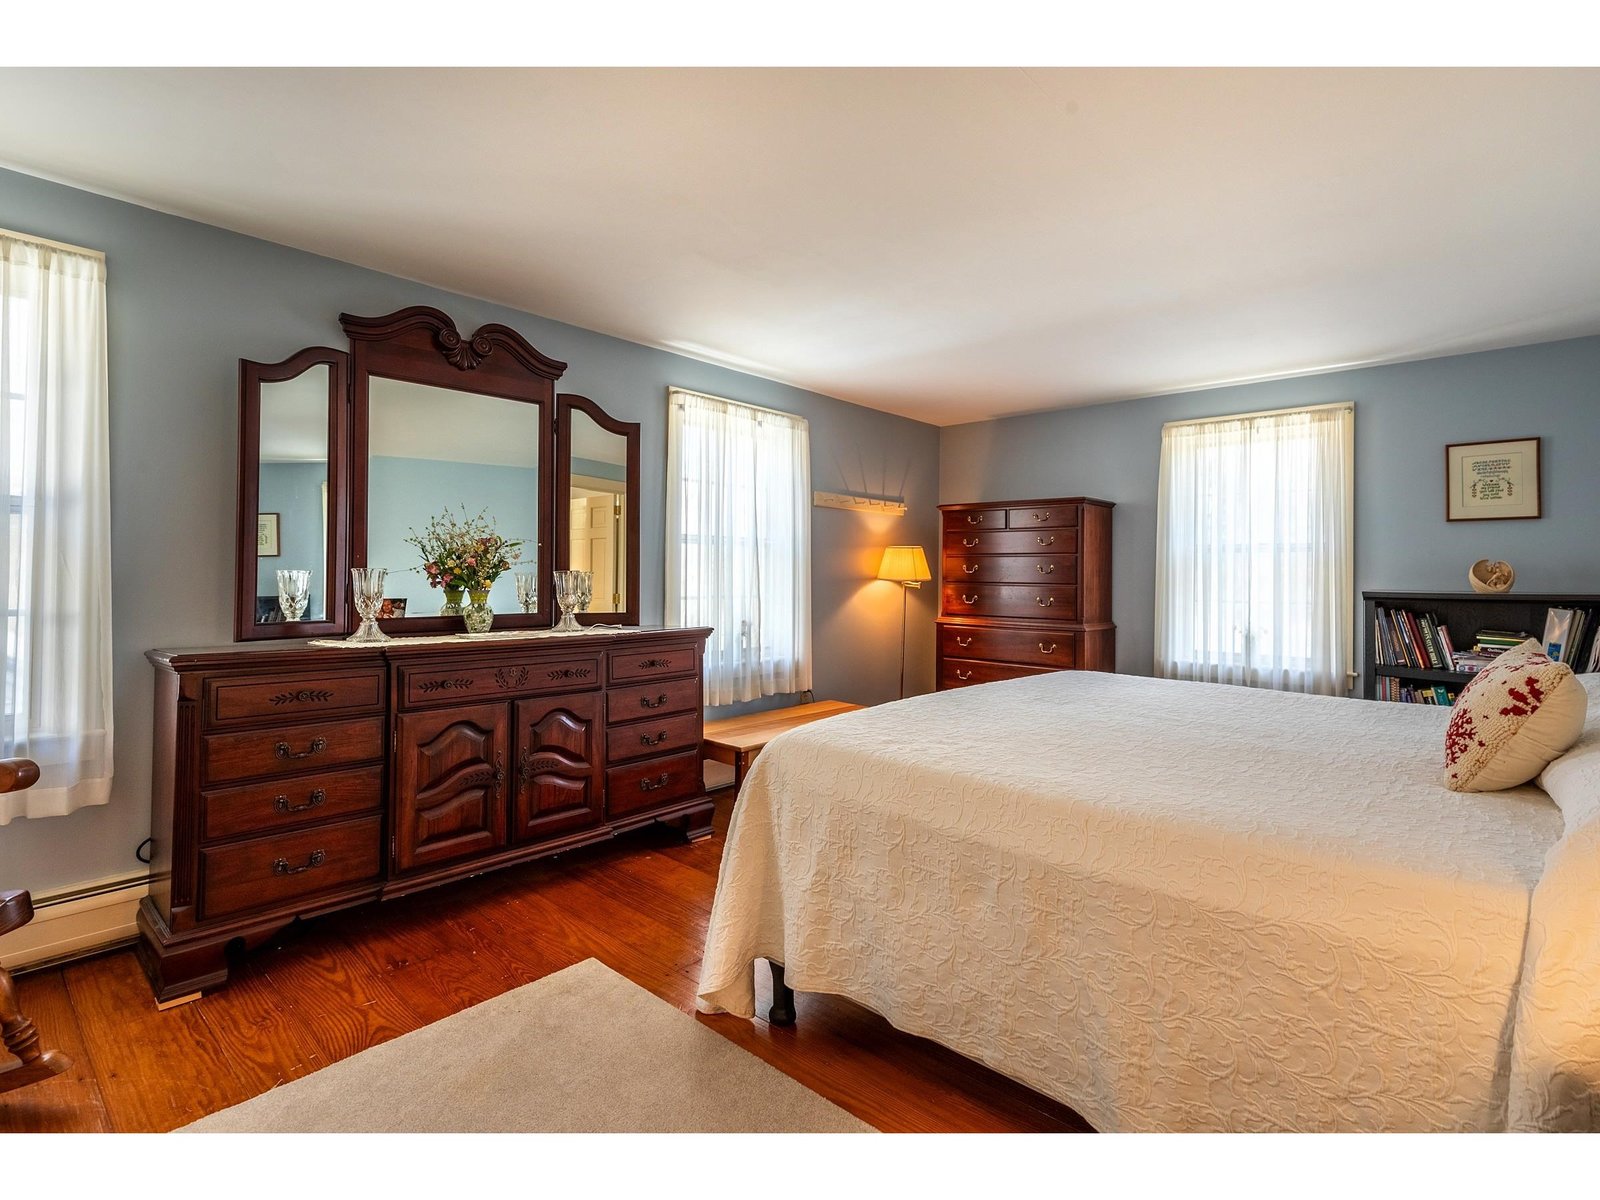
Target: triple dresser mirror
point(344, 454)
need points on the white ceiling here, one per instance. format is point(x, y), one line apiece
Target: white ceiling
point(947, 244)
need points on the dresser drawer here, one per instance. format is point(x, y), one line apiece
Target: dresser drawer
point(285, 867)
point(261, 807)
point(982, 518)
point(1012, 568)
point(959, 672)
point(653, 699)
point(288, 697)
point(423, 687)
point(640, 739)
point(651, 664)
point(289, 749)
point(962, 543)
point(1038, 648)
point(652, 783)
point(1057, 602)
point(1046, 516)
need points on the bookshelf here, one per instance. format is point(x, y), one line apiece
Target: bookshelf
point(1464, 614)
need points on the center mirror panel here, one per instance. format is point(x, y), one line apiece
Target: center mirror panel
point(439, 458)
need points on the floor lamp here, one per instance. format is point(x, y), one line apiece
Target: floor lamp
point(907, 566)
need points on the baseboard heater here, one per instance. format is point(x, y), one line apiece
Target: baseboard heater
point(76, 922)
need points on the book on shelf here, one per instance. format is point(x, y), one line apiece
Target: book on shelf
point(1569, 637)
point(1403, 638)
point(1390, 688)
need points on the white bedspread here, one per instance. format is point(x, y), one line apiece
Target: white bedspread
point(1178, 906)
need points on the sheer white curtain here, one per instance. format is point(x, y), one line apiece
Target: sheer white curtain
point(739, 542)
point(1255, 550)
point(55, 544)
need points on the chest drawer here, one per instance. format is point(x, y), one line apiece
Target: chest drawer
point(962, 672)
point(1038, 648)
point(983, 518)
point(289, 749)
point(422, 687)
point(1046, 516)
point(336, 694)
point(1054, 601)
point(653, 699)
point(1011, 568)
point(262, 807)
point(640, 739)
point(626, 665)
point(287, 866)
point(653, 782)
point(961, 543)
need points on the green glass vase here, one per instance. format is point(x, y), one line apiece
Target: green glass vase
point(452, 602)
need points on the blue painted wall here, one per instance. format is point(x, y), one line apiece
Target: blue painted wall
point(1405, 414)
point(294, 492)
point(403, 494)
point(187, 301)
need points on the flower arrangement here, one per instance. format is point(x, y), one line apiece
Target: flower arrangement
point(463, 553)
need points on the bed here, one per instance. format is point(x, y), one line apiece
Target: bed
point(1178, 906)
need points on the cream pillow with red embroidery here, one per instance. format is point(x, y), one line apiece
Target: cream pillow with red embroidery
point(1514, 718)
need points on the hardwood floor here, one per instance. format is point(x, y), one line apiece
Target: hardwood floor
point(332, 987)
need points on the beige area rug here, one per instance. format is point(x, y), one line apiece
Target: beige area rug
point(580, 1051)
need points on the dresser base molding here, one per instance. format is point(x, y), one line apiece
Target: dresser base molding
point(182, 966)
point(291, 781)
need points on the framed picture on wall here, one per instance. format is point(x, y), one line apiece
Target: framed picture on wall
point(1492, 481)
point(267, 535)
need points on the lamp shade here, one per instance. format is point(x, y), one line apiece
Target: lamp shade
point(907, 564)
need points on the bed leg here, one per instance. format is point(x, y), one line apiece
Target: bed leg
point(782, 1010)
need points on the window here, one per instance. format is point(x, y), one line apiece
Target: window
point(739, 542)
point(1254, 550)
point(55, 546)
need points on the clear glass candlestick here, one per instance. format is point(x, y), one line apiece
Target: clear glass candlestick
point(294, 593)
point(528, 591)
point(585, 590)
point(367, 583)
point(570, 586)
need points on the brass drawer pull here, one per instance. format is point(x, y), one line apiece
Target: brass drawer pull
point(1050, 649)
point(281, 866)
point(966, 599)
point(970, 568)
point(1046, 541)
point(963, 675)
point(963, 644)
point(969, 543)
point(646, 702)
point(974, 518)
point(1045, 601)
point(646, 740)
point(316, 800)
point(318, 745)
point(649, 785)
point(1041, 516)
point(1045, 568)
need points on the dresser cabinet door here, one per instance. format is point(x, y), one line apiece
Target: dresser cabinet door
point(558, 766)
point(450, 784)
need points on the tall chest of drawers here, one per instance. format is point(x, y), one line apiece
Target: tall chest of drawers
point(292, 779)
point(1025, 588)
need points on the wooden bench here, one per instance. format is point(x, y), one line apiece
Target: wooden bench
point(738, 740)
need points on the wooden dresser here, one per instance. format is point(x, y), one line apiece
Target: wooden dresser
point(1025, 588)
point(292, 779)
